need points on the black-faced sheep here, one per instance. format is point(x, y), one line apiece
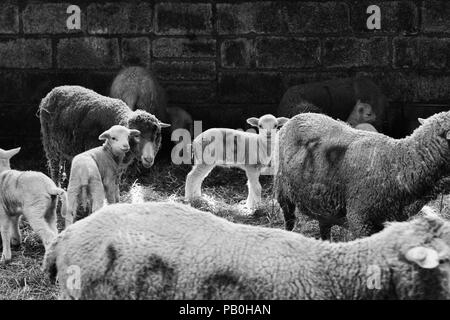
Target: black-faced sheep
point(335, 98)
point(95, 174)
point(139, 89)
point(72, 118)
point(340, 175)
point(173, 251)
point(233, 148)
point(27, 193)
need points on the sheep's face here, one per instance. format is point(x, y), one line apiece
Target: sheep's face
point(425, 252)
point(147, 144)
point(362, 113)
point(267, 124)
point(117, 137)
point(5, 156)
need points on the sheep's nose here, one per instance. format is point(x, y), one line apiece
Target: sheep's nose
point(125, 148)
point(147, 161)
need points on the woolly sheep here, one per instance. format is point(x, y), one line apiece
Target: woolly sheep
point(139, 89)
point(340, 175)
point(72, 118)
point(227, 148)
point(173, 251)
point(95, 174)
point(27, 193)
point(366, 127)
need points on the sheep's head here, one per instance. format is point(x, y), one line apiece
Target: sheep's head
point(146, 145)
point(423, 251)
point(5, 156)
point(267, 123)
point(117, 138)
point(362, 113)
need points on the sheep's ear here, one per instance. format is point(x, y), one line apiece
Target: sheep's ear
point(164, 125)
point(11, 153)
point(253, 121)
point(134, 133)
point(281, 121)
point(421, 121)
point(105, 135)
point(424, 257)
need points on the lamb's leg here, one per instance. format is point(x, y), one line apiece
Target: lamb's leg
point(195, 179)
point(98, 194)
point(72, 206)
point(5, 230)
point(16, 238)
point(325, 230)
point(288, 209)
point(254, 188)
point(37, 216)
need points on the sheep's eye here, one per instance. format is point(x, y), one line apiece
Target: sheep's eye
point(260, 126)
point(114, 138)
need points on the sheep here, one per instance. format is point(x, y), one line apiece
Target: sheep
point(173, 251)
point(335, 98)
point(366, 127)
point(95, 174)
point(339, 175)
point(27, 193)
point(139, 89)
point(72, 118)
point(227, 147)
point(361, 113)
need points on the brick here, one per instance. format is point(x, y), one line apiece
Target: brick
point(236, 53)
point(9, 17)
point(26, 53)
point(396, 16)
point(88, 53)
point(254, 87)
point(51, 18)
point(410, 86)
point(183, 18)
point(185, 70)
point(121, 17)
point(281, 17)
point(425, 53)
point(184, 48)
point(136, 51)
point(352, 52)
point(435, 16)
point(297, 78)
point(295, 53)
point(190, 93)
point(11, 86)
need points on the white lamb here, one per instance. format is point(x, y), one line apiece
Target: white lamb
point(233, 148)
point(32, 194)
point(95, 173)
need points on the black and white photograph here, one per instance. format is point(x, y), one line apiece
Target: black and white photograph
point(247, 151)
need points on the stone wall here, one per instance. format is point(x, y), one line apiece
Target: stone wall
point(223, 61)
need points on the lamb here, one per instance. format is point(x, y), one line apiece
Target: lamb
point(366, 127)
point(139, 89)
point(95, 174)
point(149, 251)
point(338, 175)
point(27, 193)
point(361, 113)
point(72, 118)
point(227, 148)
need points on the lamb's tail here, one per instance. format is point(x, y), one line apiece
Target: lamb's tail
point(62, 194)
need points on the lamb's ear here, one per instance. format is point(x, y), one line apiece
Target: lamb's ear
point(281, 121)
point(105, 135)
point(421, 121)
point(11, 153)
point(164, 125)
point(426, 258)
point(134, 133)
point(253, 121)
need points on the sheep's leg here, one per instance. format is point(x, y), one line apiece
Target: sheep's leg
point(37, 216)
point(5, 229)
point(325, 230)
point(254, 188)
point(16, 238)
point(98, 195)
point(72, 205)
point(195, 179)
point(288, 209)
